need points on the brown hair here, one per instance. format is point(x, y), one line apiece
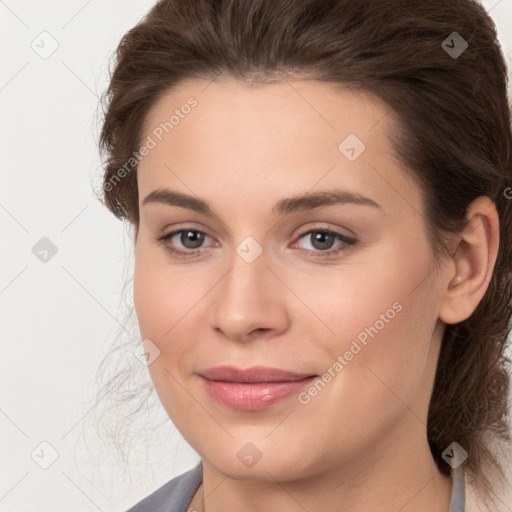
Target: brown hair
point(453, 134)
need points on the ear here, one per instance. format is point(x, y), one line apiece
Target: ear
point(472, 262)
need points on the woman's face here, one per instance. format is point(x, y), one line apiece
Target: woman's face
point(258, 282)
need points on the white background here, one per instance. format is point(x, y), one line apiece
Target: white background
point(59, 318)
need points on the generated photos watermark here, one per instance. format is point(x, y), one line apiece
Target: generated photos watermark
point(356, 347)
point(151, 142)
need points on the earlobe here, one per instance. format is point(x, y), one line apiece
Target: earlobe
point(473, 262)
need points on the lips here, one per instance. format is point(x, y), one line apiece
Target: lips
point(253, 374)
point(253, 388)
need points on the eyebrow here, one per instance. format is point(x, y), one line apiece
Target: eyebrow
point(304, 202)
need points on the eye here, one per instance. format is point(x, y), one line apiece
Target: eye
point(323, 239)
point(190, 239)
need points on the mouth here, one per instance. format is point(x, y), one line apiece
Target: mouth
point(253, 388)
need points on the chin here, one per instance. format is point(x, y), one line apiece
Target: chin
point(244, 461)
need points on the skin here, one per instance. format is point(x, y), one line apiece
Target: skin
point(361, 443)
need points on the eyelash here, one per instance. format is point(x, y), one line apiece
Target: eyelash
point(348, 243)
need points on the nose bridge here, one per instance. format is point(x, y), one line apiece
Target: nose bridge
point(248, 297)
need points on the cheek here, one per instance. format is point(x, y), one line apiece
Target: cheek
point(167, 302)
point(161, 305)
point(367, 289)
point(381, 316)
point(158, 293)
point(147, 298)
point(158, 300)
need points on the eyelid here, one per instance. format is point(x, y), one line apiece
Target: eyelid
point(335, 230)
point(177, 228)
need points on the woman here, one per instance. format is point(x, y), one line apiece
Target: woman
point(320, 200)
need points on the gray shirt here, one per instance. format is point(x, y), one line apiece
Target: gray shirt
point(175, 495)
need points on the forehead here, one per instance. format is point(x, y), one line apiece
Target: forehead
point(290, 133)
point(288, 108)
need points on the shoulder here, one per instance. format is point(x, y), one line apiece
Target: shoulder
point(174, 496)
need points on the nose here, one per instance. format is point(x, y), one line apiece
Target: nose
point(249, 302)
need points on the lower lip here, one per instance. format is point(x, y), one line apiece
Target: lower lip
point(252, 396)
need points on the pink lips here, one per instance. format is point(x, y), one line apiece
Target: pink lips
point(252, 388)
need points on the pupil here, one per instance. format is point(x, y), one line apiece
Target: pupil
point(193, 237)
point(322, 240)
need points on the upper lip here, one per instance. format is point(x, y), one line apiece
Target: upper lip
point(252, 374)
